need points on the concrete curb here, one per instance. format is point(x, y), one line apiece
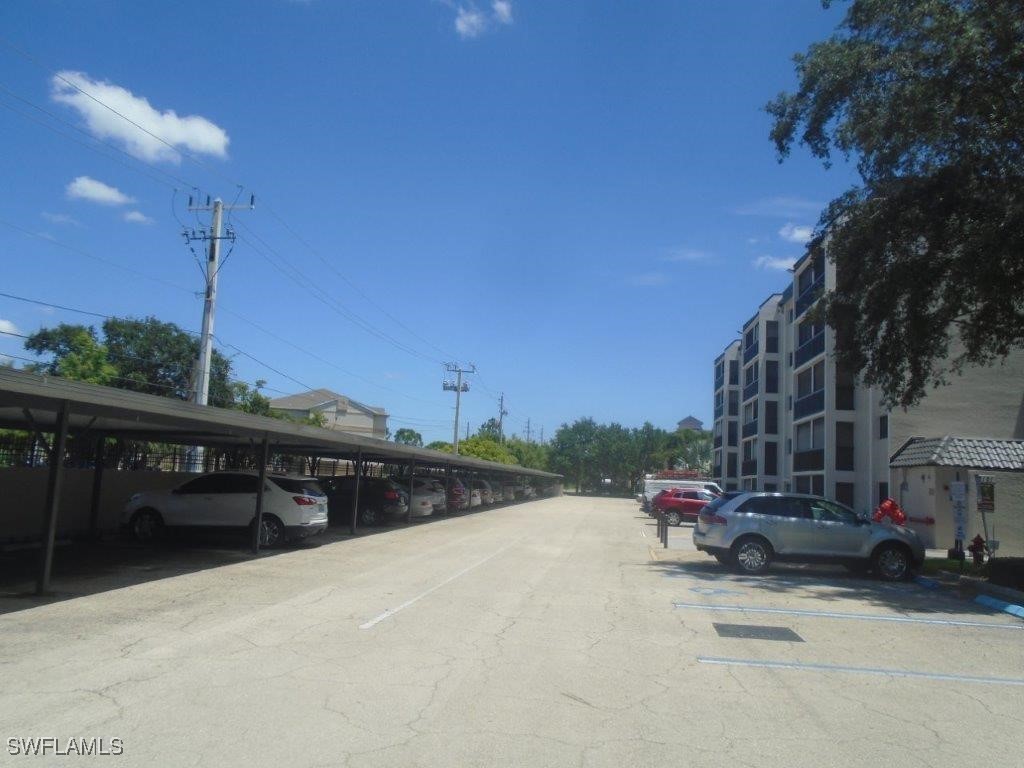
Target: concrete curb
point(1000, 598)
point(1000, 605)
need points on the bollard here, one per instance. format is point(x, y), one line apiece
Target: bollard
point(664, 526)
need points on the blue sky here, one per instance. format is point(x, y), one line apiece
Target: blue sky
point(579, 198)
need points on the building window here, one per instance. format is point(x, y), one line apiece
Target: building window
point(789, 446)
point(883, 492)
point(734, 403)
point(771, 458)
point(730, 465)
point(771, 487)
point(771, 417)
point(771, 336)
point(844, 493)
point(734, 372)
point(883, 427)
point(771, 374)
point(803, 483)
point(733, 434)
point(818, 485)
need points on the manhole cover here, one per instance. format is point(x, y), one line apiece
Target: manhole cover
point(757, 632)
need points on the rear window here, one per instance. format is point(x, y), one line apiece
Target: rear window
point(298, 485)
point(717, 504)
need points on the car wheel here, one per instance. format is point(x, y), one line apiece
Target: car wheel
point(271, 532)
point(368, 516)
point(672, 518)
point(892, 562)
point(751, 555)
point(147, 526)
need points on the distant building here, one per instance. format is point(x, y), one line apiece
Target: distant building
point(340, 412)
point(691, 422)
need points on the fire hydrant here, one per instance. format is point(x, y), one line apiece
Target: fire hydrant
point(977, 549)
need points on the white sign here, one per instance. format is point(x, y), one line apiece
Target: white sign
point(958, 495)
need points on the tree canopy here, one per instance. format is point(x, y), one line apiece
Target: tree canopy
point(928, 97)
point(409, 436)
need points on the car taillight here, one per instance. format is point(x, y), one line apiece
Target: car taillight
point(390, 495)
point(304, 501)
point(711, 518)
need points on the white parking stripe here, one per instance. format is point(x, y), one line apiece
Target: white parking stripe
point(858, 670)
point(392, 611)
point(860, 616)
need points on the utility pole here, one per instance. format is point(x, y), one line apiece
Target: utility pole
point(201, 392)
point(542, 434)
point(458, 387)
point(502, 413)
point(467, 429)
point(201, 374)
point(527, 430)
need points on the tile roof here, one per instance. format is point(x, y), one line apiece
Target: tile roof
point(967, 452)
point(314, 397)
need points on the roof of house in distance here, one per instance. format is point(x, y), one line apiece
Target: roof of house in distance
point(964, 452)
point(314, 398)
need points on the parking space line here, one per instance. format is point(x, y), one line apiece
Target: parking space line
point(807, 667)
point(643, 533)
point(858, 616)
point(392, 611)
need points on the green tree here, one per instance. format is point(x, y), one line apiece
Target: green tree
point(572, 451)
point(692, 449)
point(929, 248)
point(409, 437)
point(440, 445)
point(251, 400)
point(487, 449)
point(491, 429)
point(532, 455)
point(77, 354)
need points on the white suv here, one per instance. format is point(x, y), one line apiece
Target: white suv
point(293, 507)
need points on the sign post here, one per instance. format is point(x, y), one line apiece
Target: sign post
point(986, 487)
point(958, 498)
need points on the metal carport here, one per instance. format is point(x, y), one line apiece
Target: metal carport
point(36, 402)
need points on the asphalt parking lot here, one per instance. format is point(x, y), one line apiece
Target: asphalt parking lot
point(549, 633)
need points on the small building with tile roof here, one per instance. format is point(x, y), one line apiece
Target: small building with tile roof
point(338, 411)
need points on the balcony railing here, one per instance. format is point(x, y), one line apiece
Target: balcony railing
point(809, 296)
point(844, 458)
point(749, 467)
point(719, 410)
point(812, 403)
point(806, 461)
point(809, 350)
point(750, 353)
point(750, 390)
point(719, 382)
point(750, 428)
point(718, 441)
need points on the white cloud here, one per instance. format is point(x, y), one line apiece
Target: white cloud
point(60, 218)
point(772, 262)
point(796, 233)
point(686, 254)
point(781, 207)
point(87, 188)
point(137, 217)
point(470, 23)
point(502, 11)
point(648, 279)
point(192, 132)
point(6, 326)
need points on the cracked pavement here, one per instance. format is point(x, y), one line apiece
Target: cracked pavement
point(561, 649)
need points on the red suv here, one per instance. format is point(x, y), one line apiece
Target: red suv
point(679, 503)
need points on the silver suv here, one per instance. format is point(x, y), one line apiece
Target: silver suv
point(749, 530)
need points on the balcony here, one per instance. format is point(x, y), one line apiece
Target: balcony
point(749, 467)
point(809, 461)
point(809, 296)
point(718, 441)
point(750, 428)
point(716, 471)
point(750, 353)
point(812, 403)
point(844, 458)
point(809, 350)
point(750, 390)
point(719, 410)
point(719, 382)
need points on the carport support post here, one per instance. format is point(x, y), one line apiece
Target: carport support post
point(258, 521)
point(99, 461)
point(447, 486)
point(56, 479)
point(412, 474)
point(355, 495)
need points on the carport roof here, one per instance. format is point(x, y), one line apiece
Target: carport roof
point(32, 401)
point(964, 452)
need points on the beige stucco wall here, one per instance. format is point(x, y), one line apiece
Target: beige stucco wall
point(23, 495)
point(924, 491)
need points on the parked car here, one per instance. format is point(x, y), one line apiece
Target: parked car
point(433, 488)
point(496, 493)
point(458, 494)
point(508, 491)
point(293, 507)
point(750, 530)
point(475, 499)
point(681, 504)
point(484, 488)
point(379, 499)
point(422, 499)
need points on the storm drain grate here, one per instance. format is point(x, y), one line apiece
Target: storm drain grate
point(757, 632)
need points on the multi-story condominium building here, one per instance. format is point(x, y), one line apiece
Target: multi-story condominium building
point(806, 425)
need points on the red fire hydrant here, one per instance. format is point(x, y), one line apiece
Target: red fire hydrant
point(977, 549)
